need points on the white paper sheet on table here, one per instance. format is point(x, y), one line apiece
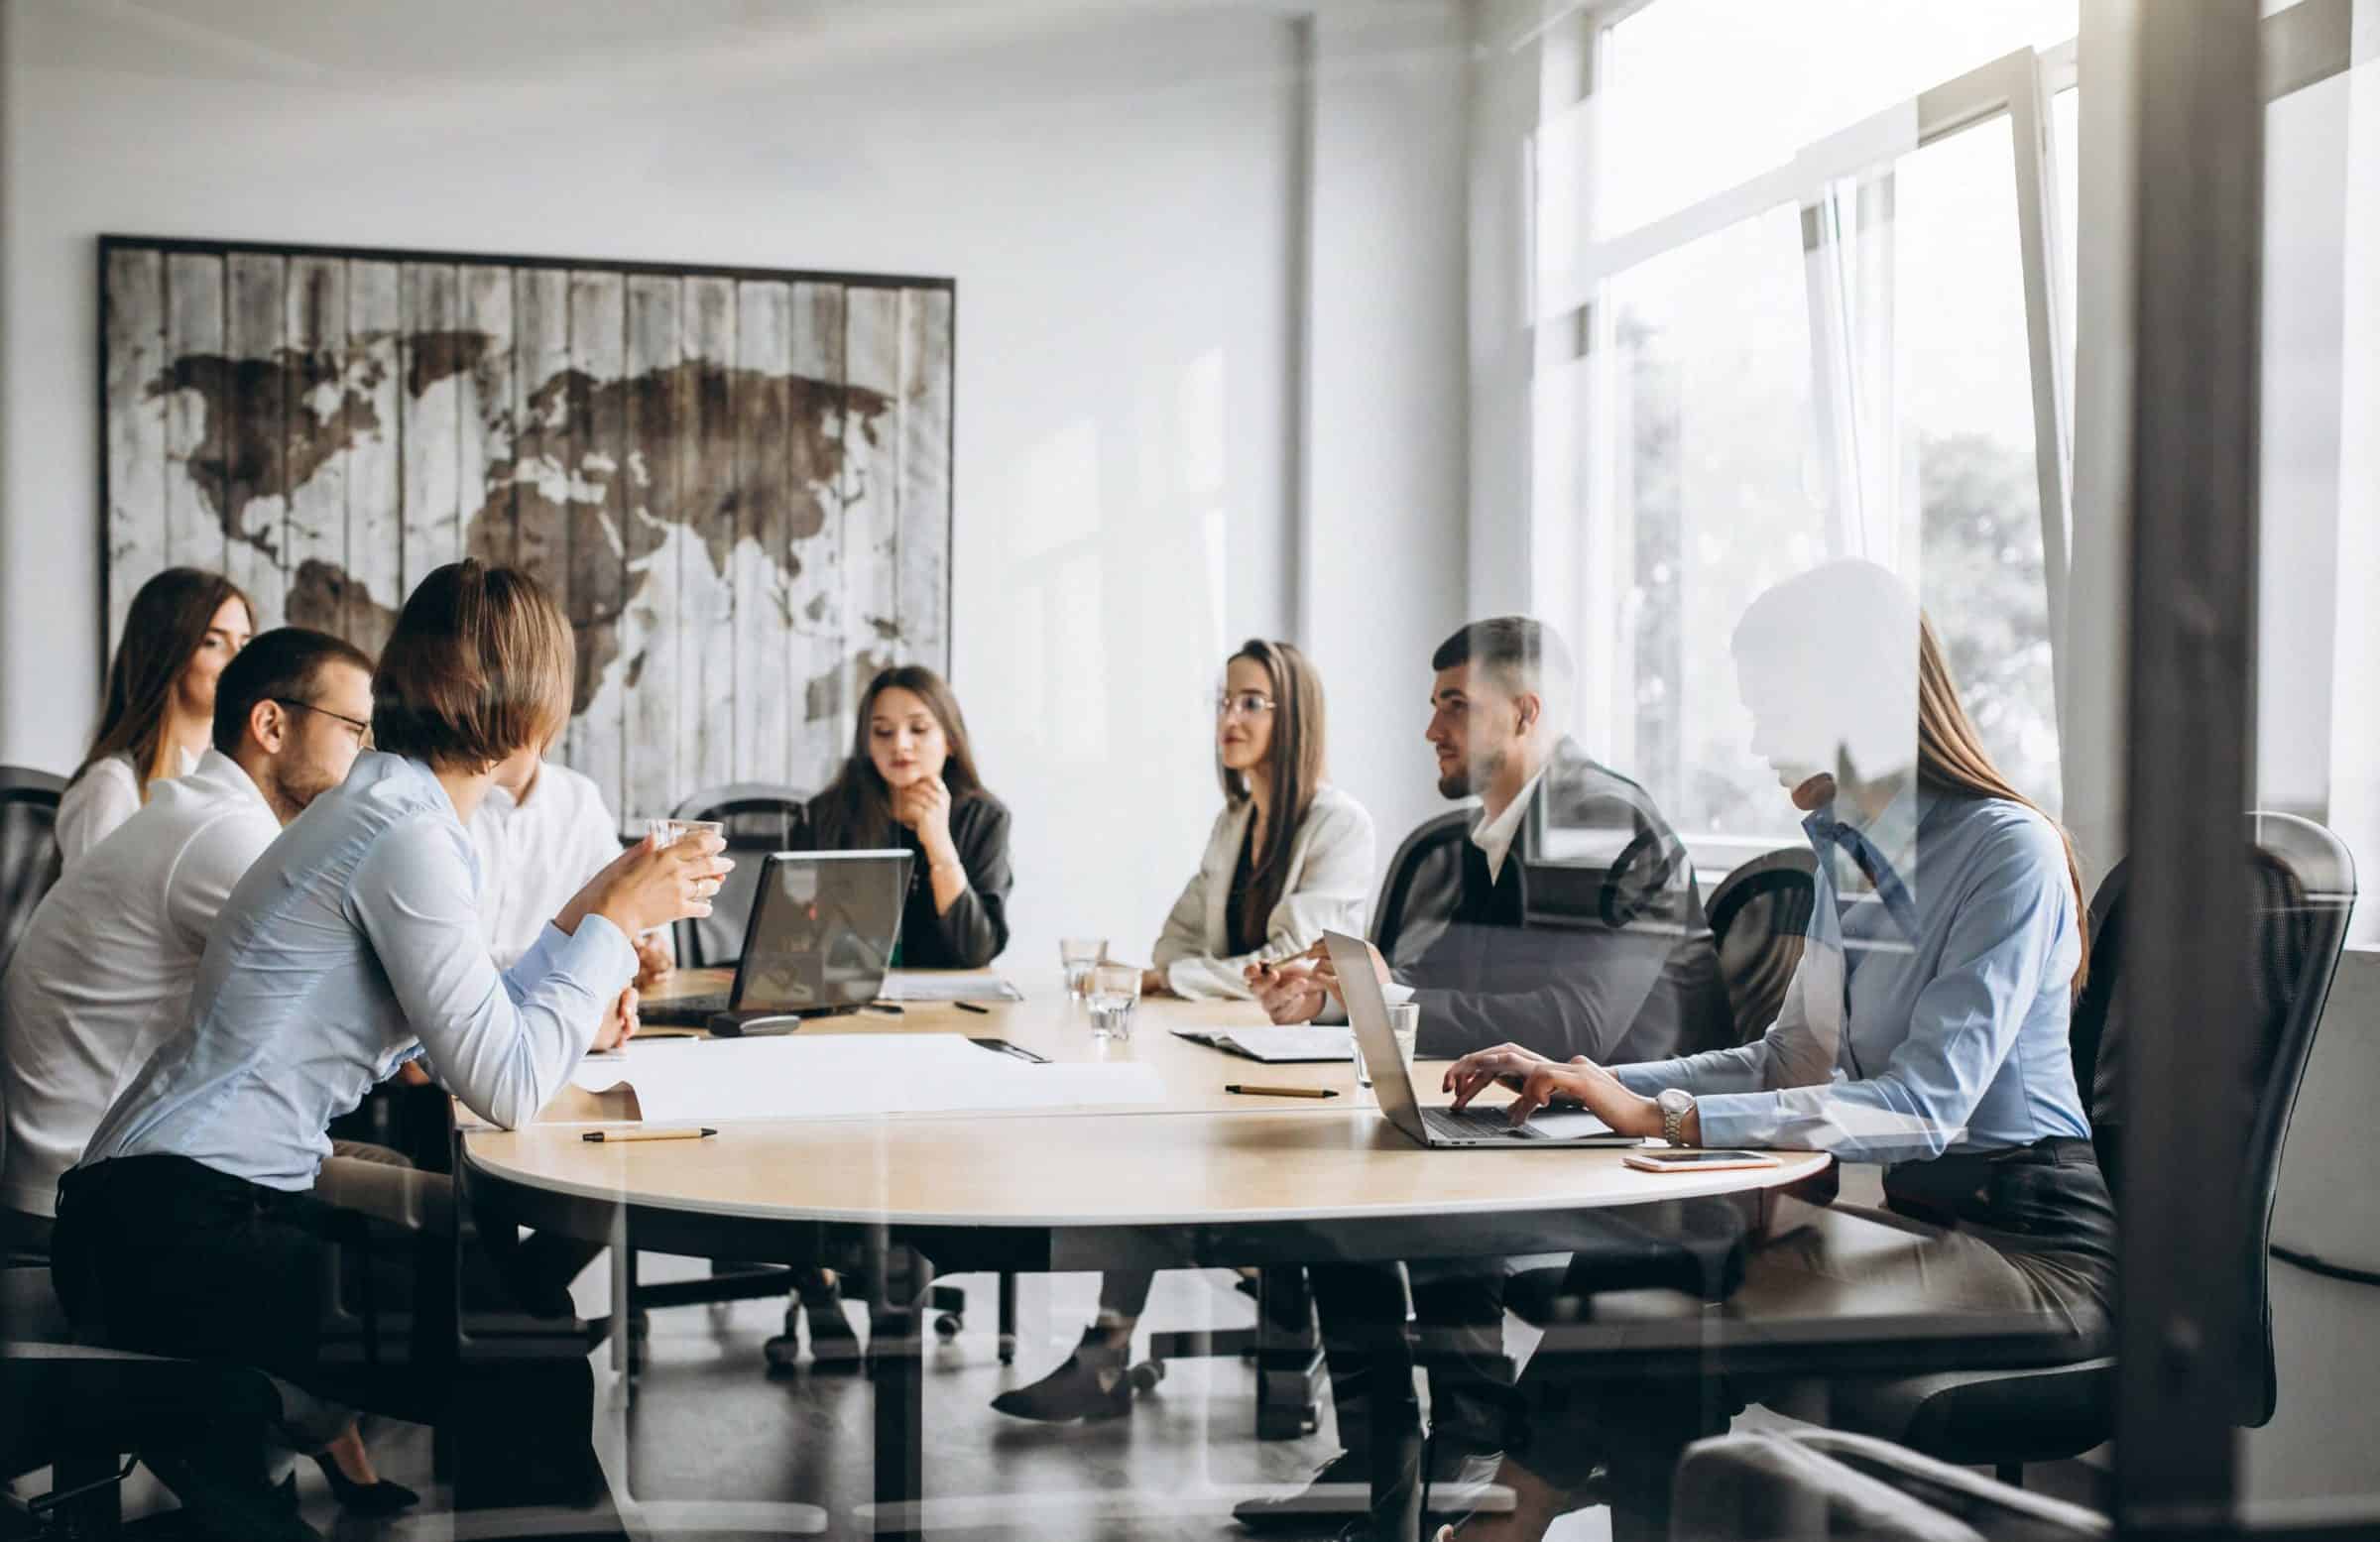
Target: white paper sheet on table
point(1277, 1046)
point(912, 985)
point(854, 1075)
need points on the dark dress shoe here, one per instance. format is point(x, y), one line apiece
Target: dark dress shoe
point(380, 1498)
point(1093, 1385)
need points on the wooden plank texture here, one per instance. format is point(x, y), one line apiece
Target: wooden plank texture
point(484, 416)
point(707, 483)
point(814, 675)
point(763, 548)
point(872, 486)
point(136, 427)
point(655, 543)
point(923, 589)
point(254, 473)
point(598, 423)
point(541, 410)
point(430, 445)
point(314, 461)
point(376, 587)
point(201, 376)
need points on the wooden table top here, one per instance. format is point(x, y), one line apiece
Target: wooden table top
point(1273, 1160)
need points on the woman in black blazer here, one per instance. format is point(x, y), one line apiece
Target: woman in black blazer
point(911, 781)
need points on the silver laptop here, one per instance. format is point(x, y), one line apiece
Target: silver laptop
point(1471, 1127)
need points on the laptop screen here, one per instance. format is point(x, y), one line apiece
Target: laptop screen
point(822, 931)
point(1368, 1013)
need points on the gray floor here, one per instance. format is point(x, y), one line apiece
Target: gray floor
point(706, 1445)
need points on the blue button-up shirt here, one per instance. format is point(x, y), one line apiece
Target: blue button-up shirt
point(1931, 1009)
point(352, 945)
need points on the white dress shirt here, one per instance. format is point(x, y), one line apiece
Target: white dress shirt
point(536, 854)
point(103, 973)
point(1494, 836)
point(100, 800)
point(1328, 889)
point(353, 945)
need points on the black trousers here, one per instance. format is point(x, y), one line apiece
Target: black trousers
point(161, 1256)
point(1458, 1323)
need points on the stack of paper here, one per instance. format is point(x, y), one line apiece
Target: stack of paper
point(1276, 1046)
point(854, 1076)
point(938, 985)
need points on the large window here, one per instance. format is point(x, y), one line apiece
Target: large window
point(1796, 313)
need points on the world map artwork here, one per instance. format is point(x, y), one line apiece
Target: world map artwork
point(735, 485)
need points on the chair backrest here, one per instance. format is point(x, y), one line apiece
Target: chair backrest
point(1434, 842)
point(1759, 918)
point(28, 848)
point(761, 817)
point(2302, 893)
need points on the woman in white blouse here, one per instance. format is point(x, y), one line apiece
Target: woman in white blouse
point(182, 627)
point(1290, 856)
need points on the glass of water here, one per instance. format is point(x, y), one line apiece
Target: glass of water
point(1078, 956)
point(669, 832)
point(1115, 990)
point(1404, 1026)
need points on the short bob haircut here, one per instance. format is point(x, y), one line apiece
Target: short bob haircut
point(480, 664)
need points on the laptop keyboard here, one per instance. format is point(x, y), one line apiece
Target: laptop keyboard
point(694, 1011)
point(1473, 1124)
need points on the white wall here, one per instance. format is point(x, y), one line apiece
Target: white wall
point(1116, 185)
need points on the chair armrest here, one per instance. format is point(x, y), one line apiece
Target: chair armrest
point(1994, 1508)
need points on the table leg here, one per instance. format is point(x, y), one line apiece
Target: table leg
point(624, 1295)
point(1008, 1317)
point(896, 1355)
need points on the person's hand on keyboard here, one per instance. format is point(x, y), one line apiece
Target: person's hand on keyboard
point(1542, 1082)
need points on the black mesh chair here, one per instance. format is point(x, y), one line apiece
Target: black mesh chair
point(1759, 917)
point(28, 848)
point(2301, 890)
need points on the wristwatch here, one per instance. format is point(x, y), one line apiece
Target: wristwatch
point(1675, 1104)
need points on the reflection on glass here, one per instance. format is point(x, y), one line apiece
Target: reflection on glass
point(1713, 499)
point(1964, 393)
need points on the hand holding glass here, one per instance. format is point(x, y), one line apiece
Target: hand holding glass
point(1115, 991)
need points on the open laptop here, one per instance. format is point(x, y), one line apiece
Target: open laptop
point(1471, 1128)
point(819, 940)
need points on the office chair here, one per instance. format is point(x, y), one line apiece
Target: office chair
point(761, 817)
point(28, 848)
point(1760, 916)
point(1806, 1485)
point(2301, 882)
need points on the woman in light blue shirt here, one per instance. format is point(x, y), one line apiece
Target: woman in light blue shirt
point(1925, 1030)
point(352, 946)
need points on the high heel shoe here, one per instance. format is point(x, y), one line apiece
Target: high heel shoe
point(380, 1498)
point(1093, 1383)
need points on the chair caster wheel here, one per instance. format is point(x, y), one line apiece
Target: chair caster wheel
point(1008, 1349)
point(948, 1326)
point(1146, 1375)
point(784, 1351)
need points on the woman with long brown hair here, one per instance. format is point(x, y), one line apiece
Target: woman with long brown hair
point(1290, 856)
point(911, 781)
point(1925, 1032)
point(182, 627)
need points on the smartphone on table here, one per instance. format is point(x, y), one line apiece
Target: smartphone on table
point(1697, 1161)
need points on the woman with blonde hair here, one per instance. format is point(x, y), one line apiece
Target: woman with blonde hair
point(1925, 1032)
point(182, 627)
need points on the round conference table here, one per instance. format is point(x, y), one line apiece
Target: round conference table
point(1200, 1178)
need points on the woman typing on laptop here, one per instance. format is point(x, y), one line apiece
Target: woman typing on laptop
point(1925, 1030)
point(1290, 858)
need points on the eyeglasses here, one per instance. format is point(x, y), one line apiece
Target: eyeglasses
point(1247, 703)
point(363, 731)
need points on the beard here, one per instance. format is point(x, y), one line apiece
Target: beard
point(1477, 773)
point(291, 789)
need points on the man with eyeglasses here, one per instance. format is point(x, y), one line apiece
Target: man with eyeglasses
point(105, 970)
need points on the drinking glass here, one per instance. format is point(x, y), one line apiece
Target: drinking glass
point(1077, 956)
point(1404, 1026)
point(669, 832)
point(1114, 989)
